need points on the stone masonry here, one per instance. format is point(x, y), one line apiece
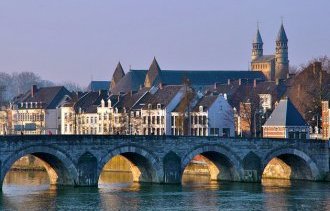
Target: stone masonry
point(77, 160)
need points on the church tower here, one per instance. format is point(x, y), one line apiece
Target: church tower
point(281, 55)
point(257, 46)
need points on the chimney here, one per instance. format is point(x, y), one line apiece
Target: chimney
point(277, 81)
point(141, 86)
point(239, 82)
point(131, 93)
point(33, 90)
point(215, 86)
point(160, 85)
point(254, 83)
point(228, 81)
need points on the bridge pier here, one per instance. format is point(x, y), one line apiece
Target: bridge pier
point(87, 170)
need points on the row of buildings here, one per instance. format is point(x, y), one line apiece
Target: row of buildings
point(170, 102)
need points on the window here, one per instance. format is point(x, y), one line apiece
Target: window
point(149, 106)
point(200, 108)
point(291, 134)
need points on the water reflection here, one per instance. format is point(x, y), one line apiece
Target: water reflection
point(116, 191)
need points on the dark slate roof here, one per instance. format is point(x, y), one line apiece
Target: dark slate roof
point(50, 97)
point(264, 58)
point(270, 87)
point(206, 102)
point(281, 36)
point(285, 114)
point(257, 38)
point(89, 102)
point(162, 96)
point(118, 74)
point(95, 86)
point(130, 99)
point(131, 81)
point(135, 78)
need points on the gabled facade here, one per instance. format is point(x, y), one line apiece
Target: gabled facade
point(212, 116)
point(35, 112)
point(155, 109)
point(118, 74)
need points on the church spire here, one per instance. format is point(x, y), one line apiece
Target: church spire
point(281, 36)
point(257, 46)
point(281, 54)
point(118, 74)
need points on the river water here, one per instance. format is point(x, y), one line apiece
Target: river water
point(31, 191)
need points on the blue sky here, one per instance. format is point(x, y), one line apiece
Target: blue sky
point(78, 40)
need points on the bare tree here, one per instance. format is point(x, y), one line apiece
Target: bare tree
point(72, 86)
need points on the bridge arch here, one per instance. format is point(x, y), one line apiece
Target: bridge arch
point(144, 164)
point(60, 167)
point(302, 166)
point(226, 164)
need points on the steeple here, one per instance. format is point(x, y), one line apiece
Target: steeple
point(153, 76)
point(118, 74)
point(281, 55)
point(257, 46)
point(281, 36)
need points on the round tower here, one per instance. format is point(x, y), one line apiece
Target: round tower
point(257, 46)
point(281, 55)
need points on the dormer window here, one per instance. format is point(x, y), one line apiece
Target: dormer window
point(149, 106)
point(158, 106)
point(200, 108)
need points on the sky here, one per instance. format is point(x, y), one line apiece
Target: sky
point(83, 40)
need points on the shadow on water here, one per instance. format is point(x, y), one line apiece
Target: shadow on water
point(31, 191)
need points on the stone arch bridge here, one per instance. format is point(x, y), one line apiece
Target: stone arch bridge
point(78, 160)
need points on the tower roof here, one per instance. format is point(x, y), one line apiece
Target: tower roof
point(257, 38)
point(117, 75)
point(153, 76)
point(285, 114)
point(281, 36)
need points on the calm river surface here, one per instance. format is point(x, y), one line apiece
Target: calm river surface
point(31, 191)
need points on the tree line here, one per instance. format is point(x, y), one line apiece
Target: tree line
point(12, 85)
